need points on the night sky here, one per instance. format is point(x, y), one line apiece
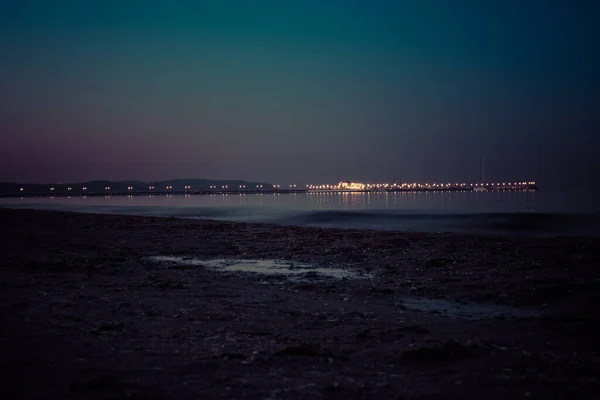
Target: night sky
point(305, 91)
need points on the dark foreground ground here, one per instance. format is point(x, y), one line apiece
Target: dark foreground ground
point(85, 315)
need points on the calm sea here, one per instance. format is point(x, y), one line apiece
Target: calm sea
point(513, 213)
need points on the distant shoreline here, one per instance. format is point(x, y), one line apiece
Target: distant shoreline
point(262, 191)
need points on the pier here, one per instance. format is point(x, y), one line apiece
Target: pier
point(188, 190)
point(424, 187)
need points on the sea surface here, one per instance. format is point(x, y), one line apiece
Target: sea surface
point(505, 213)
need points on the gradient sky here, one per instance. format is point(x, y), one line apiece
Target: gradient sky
point(304, 91)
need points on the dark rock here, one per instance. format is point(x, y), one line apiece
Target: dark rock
point(447, 351)
point(305, 350)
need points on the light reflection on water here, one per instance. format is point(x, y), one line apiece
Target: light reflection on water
point(438, 202)
point(529, 212)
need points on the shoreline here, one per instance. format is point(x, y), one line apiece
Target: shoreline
point(517, 224)
point(85, 311)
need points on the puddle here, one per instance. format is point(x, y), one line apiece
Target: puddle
point(264, 267)
point(466, 310)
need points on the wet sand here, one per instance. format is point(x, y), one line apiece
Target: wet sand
point(88, 311)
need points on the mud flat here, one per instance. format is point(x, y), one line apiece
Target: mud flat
point(118, 307)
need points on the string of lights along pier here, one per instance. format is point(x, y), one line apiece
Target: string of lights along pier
point(118, 189)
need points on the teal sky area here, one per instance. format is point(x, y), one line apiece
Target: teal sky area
point(299, 91)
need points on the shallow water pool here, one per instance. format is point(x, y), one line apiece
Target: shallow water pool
point(283, 268)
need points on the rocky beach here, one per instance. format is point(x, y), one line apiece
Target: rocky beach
point(124, 307)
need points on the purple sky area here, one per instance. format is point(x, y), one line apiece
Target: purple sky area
point(299, 91)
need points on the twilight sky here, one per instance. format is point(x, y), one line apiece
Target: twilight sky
point(299, 91)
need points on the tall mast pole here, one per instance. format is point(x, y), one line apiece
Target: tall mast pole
point(483, 170)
